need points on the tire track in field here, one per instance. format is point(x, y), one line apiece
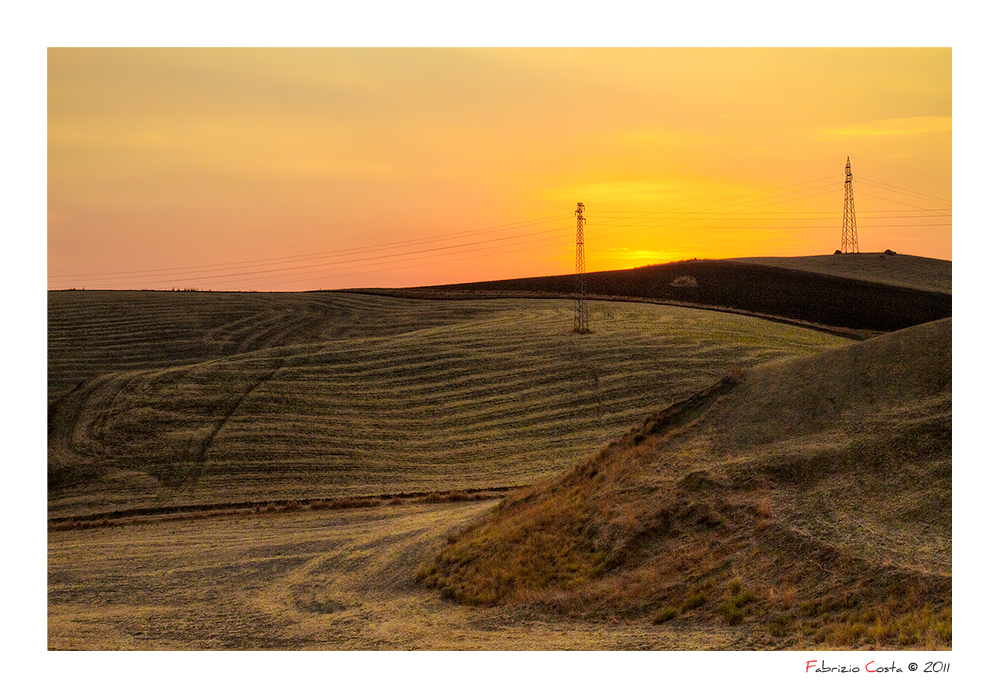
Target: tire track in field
point(338, 580)
point(68, 463)
point(200, 457)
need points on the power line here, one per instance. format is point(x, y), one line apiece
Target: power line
point(265, 267)
point(557, 241)
point(849, 239)
point(896, 201)
point(749, 194)
point(253, 264)
point(277, 270)
point(580, 316)
point(804, 216)
point(921, 175)
point(902, 190)
point(721, 214)
point(781, 226)
point(756, 202)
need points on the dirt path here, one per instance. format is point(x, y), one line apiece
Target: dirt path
point(303, 580)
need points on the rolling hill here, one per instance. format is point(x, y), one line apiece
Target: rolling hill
point(863, 291)
point(810, 497)
point(906, 271)
point(246, 470)
point(249, 398)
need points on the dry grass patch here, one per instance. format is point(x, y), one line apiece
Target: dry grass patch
point(752, 503)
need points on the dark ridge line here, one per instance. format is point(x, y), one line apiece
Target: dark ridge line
point(341, 502)
point(825, 299)
point(830, 276)
point(729, 263)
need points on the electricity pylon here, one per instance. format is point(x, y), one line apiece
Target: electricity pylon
point(580, 319)
point(849, 239)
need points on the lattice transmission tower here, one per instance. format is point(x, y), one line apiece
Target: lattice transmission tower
point(581, 322)
point(849, 239)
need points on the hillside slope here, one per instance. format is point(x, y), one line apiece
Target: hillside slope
point(845, 291)
point(97, 332)
point(810, 497)
point(908, 271)
point(338, 395)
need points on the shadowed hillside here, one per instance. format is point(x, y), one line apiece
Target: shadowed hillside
point(865, 291)
point(908, 271)
point(809, 498)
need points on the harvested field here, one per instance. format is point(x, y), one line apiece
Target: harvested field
point(810, 498)
point(265, 471)
point(97, 332)
point(303, 580)
point(462, 394)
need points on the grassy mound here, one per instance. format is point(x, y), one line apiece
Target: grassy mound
point(810, 497)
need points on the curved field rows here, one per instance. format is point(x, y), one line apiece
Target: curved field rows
point(365, 395)
point(305, 580)
point(96, 332)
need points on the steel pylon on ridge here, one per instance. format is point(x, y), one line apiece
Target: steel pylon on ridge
point(581, 321)
point(849, 238)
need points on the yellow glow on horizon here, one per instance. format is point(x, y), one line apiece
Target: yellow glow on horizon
point(628, 257)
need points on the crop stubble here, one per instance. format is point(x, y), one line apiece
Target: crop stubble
point(306, 580)
point(186, 398)
point(466, 395)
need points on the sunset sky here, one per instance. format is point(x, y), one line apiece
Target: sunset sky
point(286, 169)
point(290, 169)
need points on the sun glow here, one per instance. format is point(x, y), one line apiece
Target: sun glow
point(283, 169)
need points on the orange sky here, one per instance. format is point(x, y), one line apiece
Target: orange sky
point(287, 169)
